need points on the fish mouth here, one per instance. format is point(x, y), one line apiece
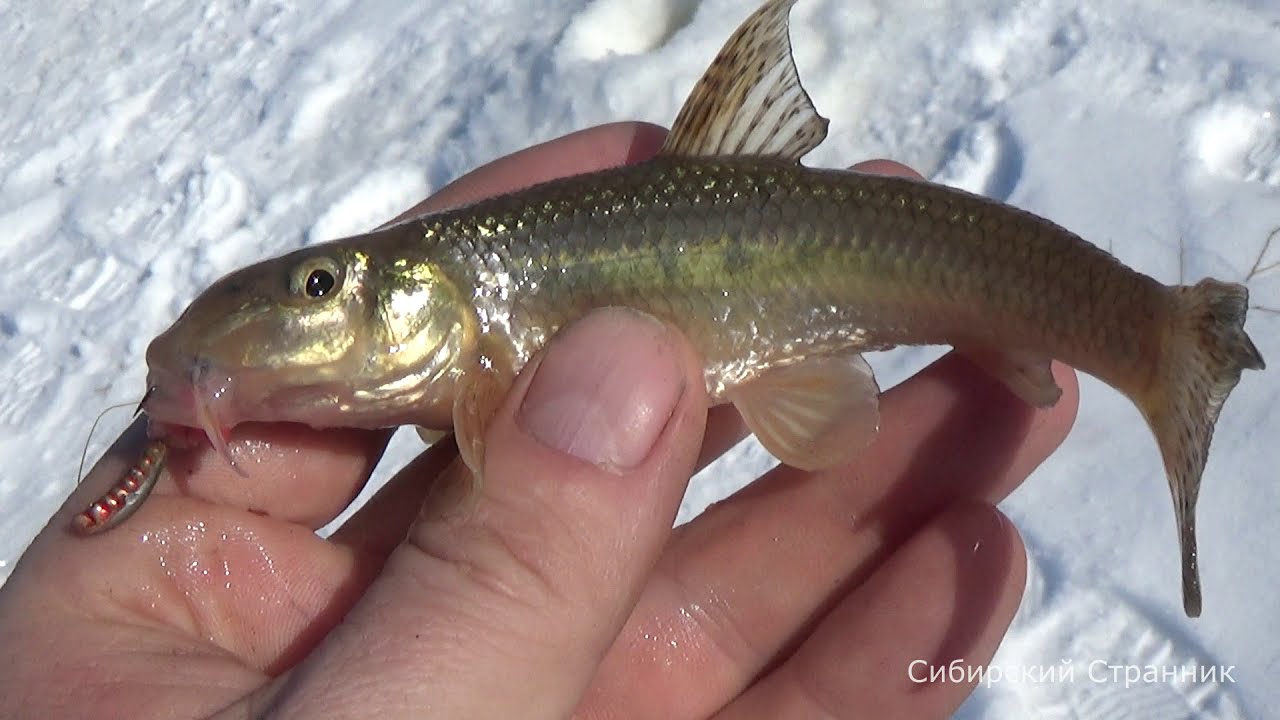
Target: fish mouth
point(201, 398)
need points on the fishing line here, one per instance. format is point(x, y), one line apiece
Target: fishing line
point(85, 453)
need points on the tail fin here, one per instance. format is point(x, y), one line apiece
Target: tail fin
point(1202, 358)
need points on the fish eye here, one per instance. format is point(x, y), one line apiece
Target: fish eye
point(315, 278)
point(319, 283)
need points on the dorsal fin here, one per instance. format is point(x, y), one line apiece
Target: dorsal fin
point(750, 101)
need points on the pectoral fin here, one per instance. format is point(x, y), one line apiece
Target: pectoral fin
point(1026, 374)
point(478, 399)
point(815, 414)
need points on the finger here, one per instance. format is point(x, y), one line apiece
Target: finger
point(948, 594)
point(597, 148)
point(143, 620)
point(381, 524)
point(503, 608)
point(738, 583)
point(886, 167)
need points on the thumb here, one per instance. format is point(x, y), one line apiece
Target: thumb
point(504, 608)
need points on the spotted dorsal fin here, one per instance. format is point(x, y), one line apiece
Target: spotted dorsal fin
point(750, 101)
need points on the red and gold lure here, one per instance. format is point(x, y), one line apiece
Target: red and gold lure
point(127, 494)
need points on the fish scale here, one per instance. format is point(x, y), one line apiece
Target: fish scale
point(881, 262)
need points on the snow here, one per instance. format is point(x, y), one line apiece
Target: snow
point(148, 149)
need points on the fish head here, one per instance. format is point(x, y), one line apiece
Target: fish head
point(333, 335)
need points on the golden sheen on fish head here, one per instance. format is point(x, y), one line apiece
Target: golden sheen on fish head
point(347, 333)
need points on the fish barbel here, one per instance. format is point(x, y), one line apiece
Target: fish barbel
point(779, 275)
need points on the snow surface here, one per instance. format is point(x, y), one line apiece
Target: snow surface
point(149, 148)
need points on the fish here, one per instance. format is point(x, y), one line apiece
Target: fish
point(781, 276)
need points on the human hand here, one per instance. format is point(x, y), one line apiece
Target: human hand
point(563, 588)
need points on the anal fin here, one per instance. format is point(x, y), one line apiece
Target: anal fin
point(430, 436)
point(818, 413)
point(1027, 374)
